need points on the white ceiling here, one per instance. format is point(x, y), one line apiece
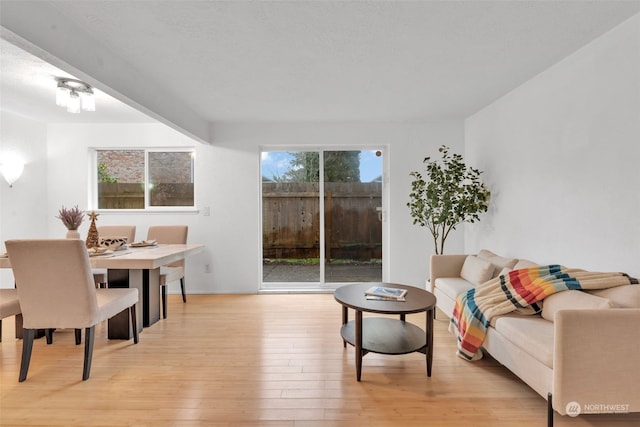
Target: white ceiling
point(28, 88)
point(344, 61)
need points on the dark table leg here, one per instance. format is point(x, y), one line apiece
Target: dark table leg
point(119, 326)
point(358, 344)
point(429, 332)
point(18, 326)
point(151, 300)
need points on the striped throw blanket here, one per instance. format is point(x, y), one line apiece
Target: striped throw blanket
point(519, 289)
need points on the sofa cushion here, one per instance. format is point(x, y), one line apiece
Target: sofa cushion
point(572, 300)
point(626, 296)
point(532, 334)
point(485, 253)
point(499, 262)
point(504, 272)
point(524, 263)
point(452, 286)
point(476, 270)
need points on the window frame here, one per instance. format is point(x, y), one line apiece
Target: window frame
point(93, 180)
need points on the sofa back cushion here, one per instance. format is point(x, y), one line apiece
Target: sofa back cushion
point(499, 262)
point(572, 300)
point(524, 263)
point(476, 270)
point(626, 296)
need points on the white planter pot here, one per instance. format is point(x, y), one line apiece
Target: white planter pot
point(73, 234)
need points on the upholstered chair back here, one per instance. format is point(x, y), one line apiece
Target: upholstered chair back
point(128, 231)
point(55, 284)
point(175, 234)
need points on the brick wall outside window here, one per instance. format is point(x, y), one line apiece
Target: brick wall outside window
point(122, 179)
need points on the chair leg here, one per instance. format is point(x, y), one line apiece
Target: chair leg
point(48, 333)
point(163, 291)
point(78, 336)
point(134, 323)
point(27, 347)
point(89, 335)
point(184, 295)
point(0, 330)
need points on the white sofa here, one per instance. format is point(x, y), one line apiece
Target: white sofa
point(580, 352)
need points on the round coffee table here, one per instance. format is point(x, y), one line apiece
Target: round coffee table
point(382, 334)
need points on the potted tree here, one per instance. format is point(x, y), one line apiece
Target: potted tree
point(446, 195)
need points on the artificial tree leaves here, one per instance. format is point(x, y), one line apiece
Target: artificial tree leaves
point(447, 194)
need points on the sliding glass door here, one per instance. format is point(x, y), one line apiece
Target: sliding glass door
point(290, 217)
point(352, 217)
point(313, 242)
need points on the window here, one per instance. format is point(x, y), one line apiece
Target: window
point(144, 179)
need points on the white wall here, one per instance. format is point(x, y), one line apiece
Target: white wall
point(237, 148)
point(23, 207)
point(228, 178)
point(562, 155)
point(68, 183)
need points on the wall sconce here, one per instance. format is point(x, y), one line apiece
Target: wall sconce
point(11, 167)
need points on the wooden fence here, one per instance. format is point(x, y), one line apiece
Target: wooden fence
point(291, 220)
point(112, 195)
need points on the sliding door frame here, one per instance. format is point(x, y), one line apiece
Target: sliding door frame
point(322, 286)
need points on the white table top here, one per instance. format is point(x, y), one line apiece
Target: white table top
point(149, 257)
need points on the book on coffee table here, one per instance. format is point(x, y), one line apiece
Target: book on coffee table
point(385, 293)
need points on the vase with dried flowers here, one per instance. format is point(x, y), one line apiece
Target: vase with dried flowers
point(71, 218)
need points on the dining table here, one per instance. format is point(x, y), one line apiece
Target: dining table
point(136, 267)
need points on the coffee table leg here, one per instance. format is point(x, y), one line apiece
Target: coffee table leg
point(358, 344)
point(429, 332)
point(345, 320)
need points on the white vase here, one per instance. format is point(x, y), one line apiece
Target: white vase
point(73, 234)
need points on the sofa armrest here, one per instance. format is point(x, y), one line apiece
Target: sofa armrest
point(595, 360)
point(445, 266)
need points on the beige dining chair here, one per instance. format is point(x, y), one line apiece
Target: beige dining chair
point(104, 231)
point(128, 231)
point(56, 291)
point(174, 271)
point(9, 305)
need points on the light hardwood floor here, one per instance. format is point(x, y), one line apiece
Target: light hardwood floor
point(261, 360)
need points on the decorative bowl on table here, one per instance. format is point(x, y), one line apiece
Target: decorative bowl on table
point(113, 243)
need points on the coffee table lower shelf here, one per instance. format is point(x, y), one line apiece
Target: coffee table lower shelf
point(386, 336)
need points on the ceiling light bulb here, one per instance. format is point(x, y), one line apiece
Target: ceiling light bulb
point(73, 106)
point(88, 102)
point(62, 96)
